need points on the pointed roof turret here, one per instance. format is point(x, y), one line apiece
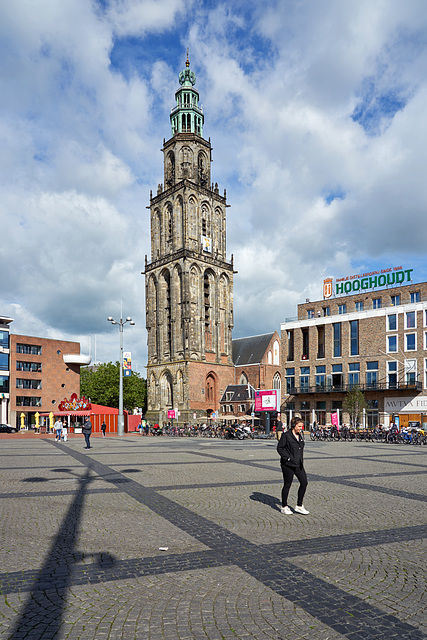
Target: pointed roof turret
point(187, 116)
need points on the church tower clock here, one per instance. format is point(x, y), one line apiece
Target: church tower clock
point(188, 281)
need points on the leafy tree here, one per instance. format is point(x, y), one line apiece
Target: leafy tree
point(354, 403)
point(101, 386)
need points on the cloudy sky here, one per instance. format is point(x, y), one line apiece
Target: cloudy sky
point(316, 110)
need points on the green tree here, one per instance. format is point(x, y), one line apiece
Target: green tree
point(354, 403)
point(102, 387)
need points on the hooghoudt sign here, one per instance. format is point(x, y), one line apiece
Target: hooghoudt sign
point(359, 282)
point(406, 405)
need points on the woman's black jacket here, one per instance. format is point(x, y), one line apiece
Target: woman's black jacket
point(291, 450)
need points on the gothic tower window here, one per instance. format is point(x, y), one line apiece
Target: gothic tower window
point(202, 170)
point(206, 221)
point(210, 389)
point(223, 313)
point(152, 396)
point(170, 170)
point(180, 387)
point(152, 306)
point(167, 324)
point(277, 382)
point(207, 305)
point(166, 390)
point(243, 378)
point(169, 226)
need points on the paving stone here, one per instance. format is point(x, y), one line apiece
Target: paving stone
point(83, 532)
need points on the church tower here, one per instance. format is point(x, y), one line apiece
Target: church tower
point(188, 281)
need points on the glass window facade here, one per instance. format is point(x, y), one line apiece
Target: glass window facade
point(376, 303)
point(4, 384)
point(391, 344)
point(410, 342)
point(23, 383)
point(4, 339)
point(411, 320)
point(392, 375)
point(29, 349)
point(354, 374)
point(320, 378)
point(392, 322)
point(359, 305)
point(354, 337)
point(337, 339)
point(290, 381)
point(28, 366)
point(4, 362)
point(28, 401)
point(372, 374)
point(415, 296)
point(342, 308)
point(304, 380)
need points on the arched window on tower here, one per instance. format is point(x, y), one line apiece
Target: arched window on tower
point(168, 312)
point(207, 311)
point(210, 390)
point(243, 378)
point(277, 382)
point(166, 390)
point(276, 352)
point(170, 170)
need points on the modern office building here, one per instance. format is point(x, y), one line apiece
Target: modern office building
point(42, 373)
point(4, 368)
point(359, 335)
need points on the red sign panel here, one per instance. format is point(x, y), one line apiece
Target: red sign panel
point(267, 400)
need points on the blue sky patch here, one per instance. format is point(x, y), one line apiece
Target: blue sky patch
point(377, 107)
point(334, 194)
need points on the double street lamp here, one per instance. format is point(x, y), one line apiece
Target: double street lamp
point(121, 323)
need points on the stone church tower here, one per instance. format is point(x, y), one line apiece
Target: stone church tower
point(189, 283)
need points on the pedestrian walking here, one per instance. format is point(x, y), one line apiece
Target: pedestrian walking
point(291, 451)
point(87, 430)
point(103, 429)
point(58, 430)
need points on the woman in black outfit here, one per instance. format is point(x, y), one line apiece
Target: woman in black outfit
point(291, 450)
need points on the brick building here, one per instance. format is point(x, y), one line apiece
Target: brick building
point(374, 339)
point(189, 281)
point(257, 361)
point(42, 373)
point(256, 367)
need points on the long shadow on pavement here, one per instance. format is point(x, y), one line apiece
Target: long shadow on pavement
point(43, 611)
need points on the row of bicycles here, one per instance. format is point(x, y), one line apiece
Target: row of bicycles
point(391, 436)
point(227, 432)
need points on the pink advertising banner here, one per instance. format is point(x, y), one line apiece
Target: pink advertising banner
point(334, 419)
point(267, 400)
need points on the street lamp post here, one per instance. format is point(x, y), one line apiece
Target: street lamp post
point(121, 323)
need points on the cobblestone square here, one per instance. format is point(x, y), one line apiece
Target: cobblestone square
point(182, 538)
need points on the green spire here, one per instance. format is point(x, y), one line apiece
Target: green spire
point(187, 116)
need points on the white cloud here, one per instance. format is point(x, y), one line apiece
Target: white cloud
point(316, 116)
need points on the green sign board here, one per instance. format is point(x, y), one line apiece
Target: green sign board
point(385, 277)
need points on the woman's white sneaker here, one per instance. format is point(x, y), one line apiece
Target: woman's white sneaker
point(286, 510)
point(302, 510)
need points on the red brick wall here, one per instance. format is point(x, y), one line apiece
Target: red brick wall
point(58, 379)
point(197, 372)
